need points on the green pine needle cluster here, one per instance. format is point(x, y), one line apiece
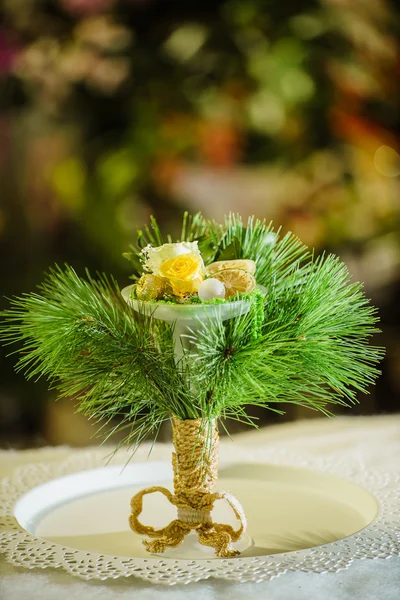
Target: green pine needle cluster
point(304, 342)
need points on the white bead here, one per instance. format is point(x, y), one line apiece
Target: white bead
point(209, 289)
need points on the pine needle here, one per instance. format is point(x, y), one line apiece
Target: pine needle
point(312, 349)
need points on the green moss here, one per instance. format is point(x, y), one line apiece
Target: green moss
point(196, 300)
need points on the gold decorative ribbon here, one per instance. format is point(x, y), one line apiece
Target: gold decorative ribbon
point(195, 465)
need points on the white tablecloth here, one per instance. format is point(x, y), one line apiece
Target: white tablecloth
point(374, 441)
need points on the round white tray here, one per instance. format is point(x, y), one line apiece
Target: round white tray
point(74, 515)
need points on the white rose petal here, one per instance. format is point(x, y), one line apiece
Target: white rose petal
point(154, 257)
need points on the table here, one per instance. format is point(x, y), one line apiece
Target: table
point(373, 441)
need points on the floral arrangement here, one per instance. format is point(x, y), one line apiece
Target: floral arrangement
point(295, 330)
point(177, 272)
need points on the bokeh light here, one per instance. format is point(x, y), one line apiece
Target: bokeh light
point(113, 110)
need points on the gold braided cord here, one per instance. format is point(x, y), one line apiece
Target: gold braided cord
point(195, 465)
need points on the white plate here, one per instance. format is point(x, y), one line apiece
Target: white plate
point(297, 518)
point(287, 509)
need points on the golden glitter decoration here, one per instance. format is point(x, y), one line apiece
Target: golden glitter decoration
point(150, 287)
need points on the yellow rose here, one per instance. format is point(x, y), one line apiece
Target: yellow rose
point(153, 258)
point(183, 272)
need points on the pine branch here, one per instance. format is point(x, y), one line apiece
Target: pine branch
point(276, 258)
point(313, 351)
point(89, 344)
point(309, 347)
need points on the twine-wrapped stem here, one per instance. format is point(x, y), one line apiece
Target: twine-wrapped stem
point(195, 466)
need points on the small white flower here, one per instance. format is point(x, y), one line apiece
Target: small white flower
point(153, 258)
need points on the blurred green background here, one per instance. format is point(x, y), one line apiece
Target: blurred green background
point(112, 110)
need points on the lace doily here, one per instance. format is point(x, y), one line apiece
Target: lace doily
point(381, 539)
